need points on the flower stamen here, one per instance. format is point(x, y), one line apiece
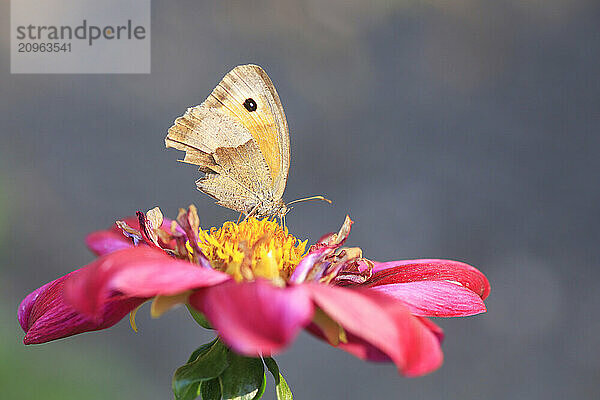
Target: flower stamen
point(252, 249)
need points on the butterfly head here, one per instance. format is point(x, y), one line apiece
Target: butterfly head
point(281, 209)
point(270, 208)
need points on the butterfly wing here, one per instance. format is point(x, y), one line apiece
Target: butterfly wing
point(243, 150)
point(237, 181)
point(267, 124)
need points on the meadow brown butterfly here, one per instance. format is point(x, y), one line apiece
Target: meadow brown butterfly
point(239, 138)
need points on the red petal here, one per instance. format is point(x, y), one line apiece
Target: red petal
point(430, 270)
point(435, 298)
point(44, 315)
point(384, 323)
point(255, 318)
point(135, 272)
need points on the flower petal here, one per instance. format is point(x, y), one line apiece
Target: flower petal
point(366, 351)
point(26, 307)
point(307, 263)
point(44, 315)
point(104, 242)
point(435, 298)
point(108, 240)
point(434, 328)
point(354, 345)
point(430, 270)
point(384, 323)
point(136, 272)
point(112, 239)
point(255, 318)
point(318, 251)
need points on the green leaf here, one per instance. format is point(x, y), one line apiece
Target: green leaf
point(244, 379)
point(207, 363)
point(201, 350)
point(199, 317)
point(192, 392)
point(281, 387)
point(211, 390)
point(263, 386)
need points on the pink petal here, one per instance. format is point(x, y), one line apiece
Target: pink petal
point(317, 252)
point(135, 272)
point(307, 263)
point(255, 318)
point(430, 270)
point(435, 298)
point(44, 316)
point(366, 351)
point(104, 242)
point(355, 346)
point(384, 323)
point(108, 240)
point(434, 328)
point(112, 239)
point(25, 308)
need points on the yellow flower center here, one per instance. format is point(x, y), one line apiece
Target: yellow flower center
point(251, 249)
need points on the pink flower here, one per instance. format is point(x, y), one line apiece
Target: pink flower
point(257, 288)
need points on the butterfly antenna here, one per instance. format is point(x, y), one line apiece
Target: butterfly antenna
point(312, 198)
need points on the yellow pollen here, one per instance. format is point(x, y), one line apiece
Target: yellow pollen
point(251, 249)
point(190, 250)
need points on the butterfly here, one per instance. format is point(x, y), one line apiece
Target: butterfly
point(240, 140)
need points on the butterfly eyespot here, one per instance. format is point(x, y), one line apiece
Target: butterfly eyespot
point(250, 104)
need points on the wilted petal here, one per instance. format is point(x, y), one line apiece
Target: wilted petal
point(45, 316)
point(430, 270)
point(318, 251)
point(307, 263)
point(383, 322)
point(136, 272)
point(335, 240)
point(435, 298)
point(255, 318)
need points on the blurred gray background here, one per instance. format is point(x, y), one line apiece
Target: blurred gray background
point(464, 129)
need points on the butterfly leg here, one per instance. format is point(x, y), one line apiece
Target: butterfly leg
point(252, 212)
point(239, 218)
